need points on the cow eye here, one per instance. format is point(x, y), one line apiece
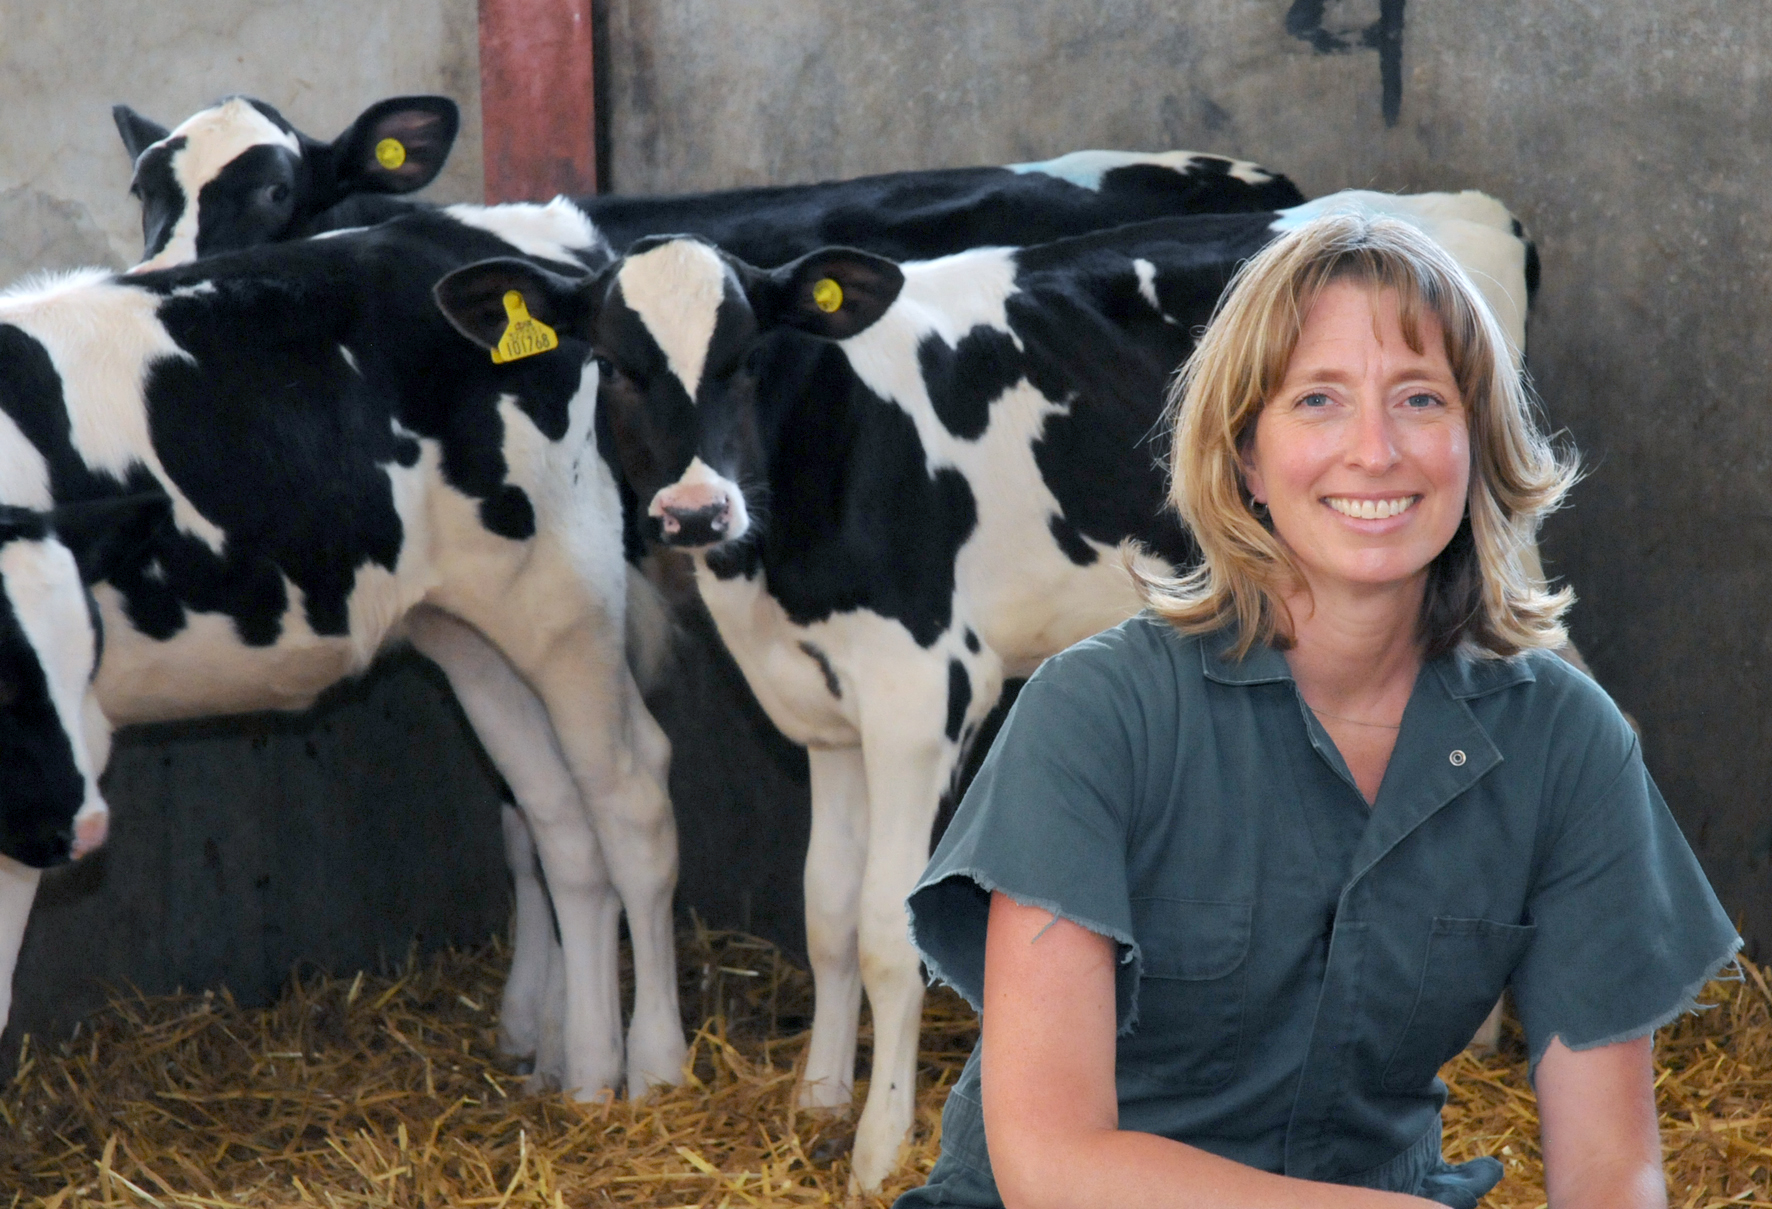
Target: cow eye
point(277, 194)
point(607, 370)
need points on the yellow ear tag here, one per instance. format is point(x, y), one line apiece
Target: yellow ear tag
point(524, 337)
point(390, 153)
point(827, 295)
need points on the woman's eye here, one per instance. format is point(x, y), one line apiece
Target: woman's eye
point(1422, 400)
point(1315, 399)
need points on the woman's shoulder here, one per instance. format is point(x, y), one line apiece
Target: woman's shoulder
point(1539, 702)
point(1142, 654)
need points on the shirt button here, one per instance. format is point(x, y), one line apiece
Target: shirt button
point(1457, 758)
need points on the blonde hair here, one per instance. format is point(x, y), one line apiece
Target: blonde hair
point(1482, 589)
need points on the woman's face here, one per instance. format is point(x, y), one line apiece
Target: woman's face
point(1362, 455)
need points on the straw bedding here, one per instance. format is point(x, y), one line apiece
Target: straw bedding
point(387, 1091)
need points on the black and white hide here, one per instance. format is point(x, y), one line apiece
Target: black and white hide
point(237, 175)
point(338, 470)
point(901, 484)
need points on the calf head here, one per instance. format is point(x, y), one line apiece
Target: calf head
point(681, 333)
point(54, 741)
point(236, 174)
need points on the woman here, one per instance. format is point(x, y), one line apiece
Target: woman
point(1240, 874)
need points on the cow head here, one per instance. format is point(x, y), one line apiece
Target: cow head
point(237, 175)
point(54, 740)
point(678, 329)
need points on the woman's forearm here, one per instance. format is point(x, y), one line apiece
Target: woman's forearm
point(1112, 1169)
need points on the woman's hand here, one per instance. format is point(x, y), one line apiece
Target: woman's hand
point(1602, 1142)
point(1051, 1113)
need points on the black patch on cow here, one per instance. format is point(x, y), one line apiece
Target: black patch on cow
point(971, 640)
point(508, 513)
point(964, 380)
point(1092, 340)
point(1306, 21)
point(919, 215)
point(42, 789)
point(824, 665)
point(855, 519)
point(959, 698)
point(1070, 541)
point(251, 200)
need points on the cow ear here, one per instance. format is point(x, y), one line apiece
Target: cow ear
point(833, 293)
point(107, 535)
point(138, 132)
point(473, 299)
point(396, 145)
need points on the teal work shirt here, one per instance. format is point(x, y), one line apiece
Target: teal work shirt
point(1294, 967)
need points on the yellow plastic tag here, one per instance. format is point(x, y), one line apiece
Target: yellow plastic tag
point(827, 295)
point(524, 336)
point(390, 153)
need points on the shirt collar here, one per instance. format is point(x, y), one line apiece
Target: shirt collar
point(1464, 674)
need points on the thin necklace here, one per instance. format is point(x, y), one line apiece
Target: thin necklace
point(1323, 713)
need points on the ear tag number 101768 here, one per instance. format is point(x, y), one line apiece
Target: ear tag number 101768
point(524, 336)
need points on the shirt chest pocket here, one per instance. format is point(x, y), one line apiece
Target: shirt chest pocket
point(1468, 963)
point(1191, 992)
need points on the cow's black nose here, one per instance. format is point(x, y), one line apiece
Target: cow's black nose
point(696, 526)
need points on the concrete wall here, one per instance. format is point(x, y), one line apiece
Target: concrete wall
point(1629, 135)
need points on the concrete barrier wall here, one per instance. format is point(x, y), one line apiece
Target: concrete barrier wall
point(1630, 136)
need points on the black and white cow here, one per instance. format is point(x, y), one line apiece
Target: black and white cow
point(337, 470)
point(900, 485)
point(240, 155)
point(237, 174)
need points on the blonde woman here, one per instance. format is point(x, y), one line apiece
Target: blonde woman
point(1241, 873)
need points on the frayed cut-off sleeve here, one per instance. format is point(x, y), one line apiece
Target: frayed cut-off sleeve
point(1628, 928)
point(1045, 822)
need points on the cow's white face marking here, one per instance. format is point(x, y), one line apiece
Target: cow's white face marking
point(1086, 168)
point(42, 584)
point(214, 138)
point(1475, 228)
point(676, 290)
point(555, 231)
point(102, 337)
point(1147, 283)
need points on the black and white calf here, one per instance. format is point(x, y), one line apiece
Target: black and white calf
point(260, 181)
point(237, 175)
point(336, 469)
point(901, 484)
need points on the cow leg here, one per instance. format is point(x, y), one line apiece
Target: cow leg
point(515, 729)
point(18, 887)
point(620, 758)
point(905, 775)
point(519, 1013)
point(835, 862)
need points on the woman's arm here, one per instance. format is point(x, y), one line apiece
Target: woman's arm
point(1051, 1114)
point(1602, 1142)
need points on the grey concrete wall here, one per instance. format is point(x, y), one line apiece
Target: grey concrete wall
point(1631, 136)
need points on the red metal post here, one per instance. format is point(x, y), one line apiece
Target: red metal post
point(538, 113)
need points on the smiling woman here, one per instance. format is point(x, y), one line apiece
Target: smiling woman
point(1240, 874)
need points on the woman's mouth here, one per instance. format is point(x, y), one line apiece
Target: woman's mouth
point(1370, 509)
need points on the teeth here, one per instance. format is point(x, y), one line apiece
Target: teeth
point(1371, 510)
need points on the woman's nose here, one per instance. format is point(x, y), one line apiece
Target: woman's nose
point(1372, 444)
